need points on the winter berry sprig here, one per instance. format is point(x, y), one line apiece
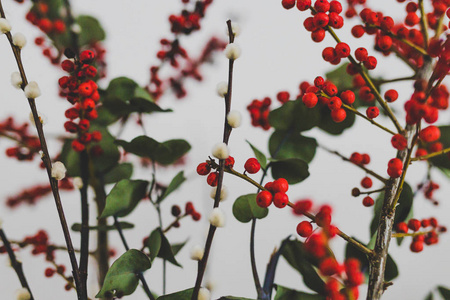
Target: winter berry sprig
point(32, 91)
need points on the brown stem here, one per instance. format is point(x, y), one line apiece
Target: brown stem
point(17, 265)
point(84, 243)
point(226, 135)
point(384, 230)
point(48, 165)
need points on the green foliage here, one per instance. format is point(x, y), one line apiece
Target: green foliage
point(160, 247)
point(294, 115)
point(91, 30)
point(284, 293)
point(123, 225)
point(164, 153)
point(124, 197)
point(119, 172)
point(402, 212)
point(445, 292)
point(262, 159)
point(181, 295)
point(391, 267)
point(174, 184)
point(121, 277)
point(245, 209)
point(329, 126)
point(233, 298)
point(443, 161)
point(290, 144)
point(295, 254)
point(294, 170)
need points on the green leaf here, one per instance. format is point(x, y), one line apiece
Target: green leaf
point(296, 255)
point(141, 105)
point(181, 295)
point(391, 267)
point(91, 30)
point(402, 211)
point(174, 184)
point(162, 246)
point(124, 197)
point(445, 292)
point(164, 153)
point(289, 144)
point(293, 115)
point(233, 298)
point(284, 293)
point(110, 156)
point(443, 161)
point(294, 170)
point(124, 225)
point(177, 247)
point(71, 159)
point(154, 243)
point(429, 296)
point(121, 277)
point(119, 172)
point(259, 156)
point(121, 88)
point(245, 209)
point(329, 126)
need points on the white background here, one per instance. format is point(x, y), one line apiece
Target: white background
point(277, 54)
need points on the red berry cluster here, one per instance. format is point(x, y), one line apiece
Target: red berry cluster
point(430, 237)
point(324, 14)
point(27, 144)
point(352, 279)
point(395, 168)
point(40, 244)
point(275, 192)
point(326, 92)
point(259, 112)
point(204, 169)
point(429, 189)
point(360, 159)
point(190, 211)
point(334, 55)
point(81, 91)
point(429, 136)
point(189, 21)
point(31, 195)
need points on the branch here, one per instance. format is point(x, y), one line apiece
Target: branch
point(48, 166)
point(356, 112)
point(17, 265)
point(434, 154)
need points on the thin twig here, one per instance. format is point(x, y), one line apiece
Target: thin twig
point(48, 165)
point(17, 265)
point(431, 155)
point(356, 112)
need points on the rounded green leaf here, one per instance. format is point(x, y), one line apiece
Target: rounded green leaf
point(91, 30)
point(293, 115)
point(119, 172)
point(124, 197)
point(245, 209)
point(289, 144)
point(122, 276)
point(121, 88)
point(294, 170)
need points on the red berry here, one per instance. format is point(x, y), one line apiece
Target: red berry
point(336, 21)
point(212, 179)
point(385, 43)
point(280, 185)
point(85, 89)
point(391, 95)
point(67, 65)
point(203, 169)
point(416, 246)
point(356, 158)
point(329, 266)
point(71, 127)
point(395, 163)
point(59, 26)
point(330, 89)
point(318, 35)
point(252, 166)
point(366, 182)
point(412, 19)
point(328, 54)
point(77, 146)
point(319, 81)
point(372, 112)
point(334, 103)
point(358, 31)
point(322, 6)
point(370, 63)
point(302, 206)
point(288, 4)
point(45, 25)
point(283, 96)
point(365, 159)
point(368, 201)
point(335, 6)
point(414, 224)
point(304, 229)
point(342, 50)
point(303, 5)
point(264, 199)
point(280, 200)
point(189, 208)
point(49, 272)
point(348, 97)
point(84, 125)
point(338, 115)
point(361, 54)
point(87, 56)
point(386, 24)
point(399, 142)
point(394, 173)
point(401, 227)
point(323, 219)
point(229, 162)
point(430, 134)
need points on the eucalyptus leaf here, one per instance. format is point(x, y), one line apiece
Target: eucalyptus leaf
point(294, 170)
point(290, 144)
point(245, 209)
point(91, 30)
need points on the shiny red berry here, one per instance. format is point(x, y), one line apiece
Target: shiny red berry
point(304, 229)
point(264, 199)
point(252, 165)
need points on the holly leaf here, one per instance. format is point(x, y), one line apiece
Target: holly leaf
point(181, 295)
point(293, 115)
point(174, 184)
point(284, 293)
point(289, 144)
point(296, 256)
point(121, 278)
point(404, 207)
point(164, 153)
point(245, 209)
point(124, 197)
point(119, 172)
point(259, 155)
point(91, 30)
point(294, 170)
point(124, 225)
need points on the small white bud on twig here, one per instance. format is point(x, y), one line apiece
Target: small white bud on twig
point(217, 217)
point(234, 119)
point(23, 294)
point(222, 89)
point(32, 90)
point(78, 183)
point(42, 118)
point(58, 170)
point(19, 40)
point(4, 25)
point(235, 28)
point(232, 51)
point(204, 294)
point(223, 193)
point(16, 80)
point(197, 252)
